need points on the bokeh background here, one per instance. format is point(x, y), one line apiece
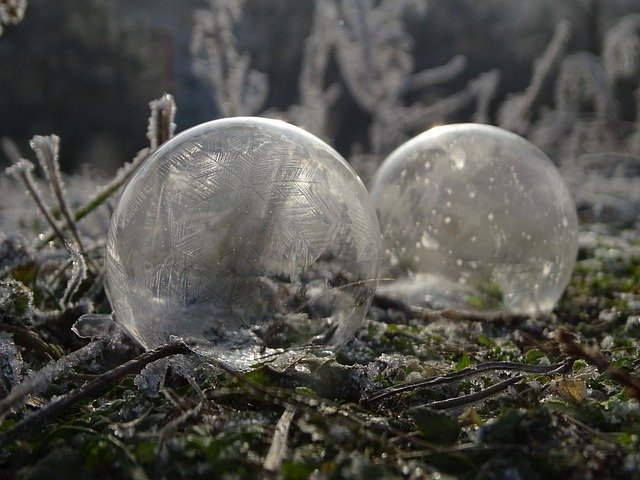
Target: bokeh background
point(86, 70)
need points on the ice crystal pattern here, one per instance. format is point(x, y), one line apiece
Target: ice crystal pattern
point(475, 217)
point(250, 233)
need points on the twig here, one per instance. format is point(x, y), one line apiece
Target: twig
point(28, 338)
point(78, 274)
point(21, 170)
point(46, 149)
point(123, 175)
point(39, 380)
point(595, 358)
point(93, 388)
point(515, 112)
point(543, 65)
point(483, 367)
point(161, 126)
point(278, 448)
point(466, 315)
point(436, 75)
point(474, 397)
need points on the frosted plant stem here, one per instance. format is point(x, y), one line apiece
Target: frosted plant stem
point(544, 64)
point(21, 170)
point(433, 76)
point(78, 274)
point(39, 380)
point(160, 128)
point(237, 89)
point(278, 448)
point(106, 192)
point(46, 149)
point(515, 112)
point(474, 397)
point(93, 388)
point(484, 86)
point(31, 340)
point(467, 372)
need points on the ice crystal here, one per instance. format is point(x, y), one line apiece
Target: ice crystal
point(247, 232)
point(96, 326)
point(475, 217)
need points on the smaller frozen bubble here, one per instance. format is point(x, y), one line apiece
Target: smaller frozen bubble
point(477, 218)
point(249, 233)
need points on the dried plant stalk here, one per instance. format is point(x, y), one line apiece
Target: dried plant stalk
point(46, 149)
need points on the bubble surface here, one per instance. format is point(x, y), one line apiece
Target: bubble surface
point(247, 232)
point(477, 218)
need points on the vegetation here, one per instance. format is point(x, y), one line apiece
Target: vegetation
point(417, 393)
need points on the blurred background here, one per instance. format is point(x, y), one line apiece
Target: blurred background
point(87, 70)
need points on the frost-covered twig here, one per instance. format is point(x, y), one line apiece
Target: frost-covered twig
point(484, 88)
point(161, 126)
point(315, 99)
point(27, 338)
point(467, 372)
point(582, 82)
point(93, 388)
point(433, 76)
point(474, 397)
point(103, 194)
point(21, 170)
point(78, 274)
point(373, 50)
point(46, 149)
point(418, 116)
point(278, 448)
point(41, 379)
point(515, 113)
point(237, 89)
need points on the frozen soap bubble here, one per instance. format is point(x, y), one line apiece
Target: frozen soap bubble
point(247, 232)
point(476, 218)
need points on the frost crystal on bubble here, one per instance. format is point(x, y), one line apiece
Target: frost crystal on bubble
point(475, 217)
point(247, 232)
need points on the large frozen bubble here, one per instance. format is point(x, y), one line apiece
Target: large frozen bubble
point(477, 218)
point(247, 232)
